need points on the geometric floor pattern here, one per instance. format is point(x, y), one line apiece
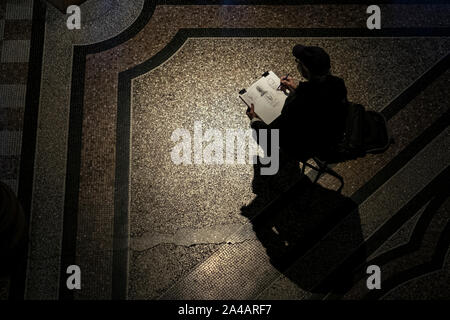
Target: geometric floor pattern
point(100, 190)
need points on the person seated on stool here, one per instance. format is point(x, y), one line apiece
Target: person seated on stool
point(313, 115)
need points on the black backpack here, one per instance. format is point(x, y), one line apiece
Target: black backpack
point(365, 132)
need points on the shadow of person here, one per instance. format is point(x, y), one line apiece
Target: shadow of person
point(293, 219)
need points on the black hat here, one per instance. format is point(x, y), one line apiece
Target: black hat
point(314, 58)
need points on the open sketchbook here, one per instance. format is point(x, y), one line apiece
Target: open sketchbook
point(268, 101)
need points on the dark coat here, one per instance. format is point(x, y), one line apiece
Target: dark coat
point(312, 118)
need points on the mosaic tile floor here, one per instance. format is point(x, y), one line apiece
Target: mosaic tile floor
point(86, 138)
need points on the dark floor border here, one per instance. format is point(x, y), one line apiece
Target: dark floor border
point(28, 150)
point(386, 230)
point(438, 257)
point(183, 34)
point(403, 157)
point(406, 96)
point(70, 220)
point(436, 263)
point(121, 223)
point(294, 2)
point(356, 262)
point(369, 246)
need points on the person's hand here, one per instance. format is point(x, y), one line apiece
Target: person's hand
point(251, 113)
point(288, 83)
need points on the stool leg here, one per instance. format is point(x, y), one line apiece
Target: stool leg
point(325, 169)
point(319, 173)
point(337, 176)
point(319, 170)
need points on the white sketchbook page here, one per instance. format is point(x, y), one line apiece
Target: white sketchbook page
point(268, 101)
